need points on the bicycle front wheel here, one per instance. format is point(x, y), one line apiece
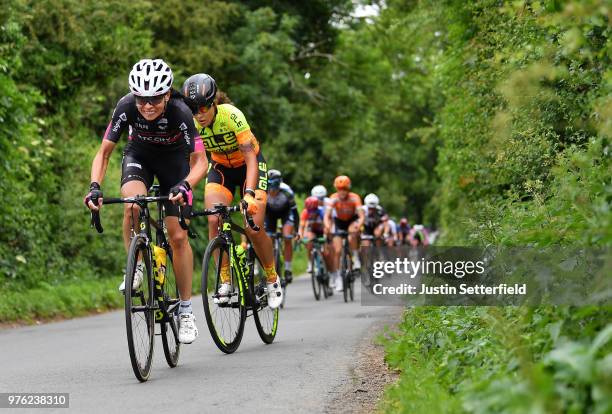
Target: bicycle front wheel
point(314, 274)
point(172, 346)
point(139, 312)
point(345, 269)
point(225, 315)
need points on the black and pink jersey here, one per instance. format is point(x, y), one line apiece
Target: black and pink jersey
point(173, 130)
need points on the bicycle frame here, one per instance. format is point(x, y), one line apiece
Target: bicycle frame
point(162, 313)
point(242, 270)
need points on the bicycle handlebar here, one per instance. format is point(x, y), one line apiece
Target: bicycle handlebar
point(142, 201)
point(225, 210)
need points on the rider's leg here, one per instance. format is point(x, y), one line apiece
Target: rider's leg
point(288, 241)
point(261, 241)
point(354, 244)
point(131, 211)
point(218, 194)
point(337, 251)
point(131, 225)
point(182, 257)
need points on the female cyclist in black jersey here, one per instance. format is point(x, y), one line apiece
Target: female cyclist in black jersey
point(162, 142)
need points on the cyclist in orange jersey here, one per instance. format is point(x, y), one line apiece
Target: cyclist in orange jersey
point(349, 217)
point(236, 161)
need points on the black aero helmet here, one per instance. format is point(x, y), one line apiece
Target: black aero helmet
point(200, 89)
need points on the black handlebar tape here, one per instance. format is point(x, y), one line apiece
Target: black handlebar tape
point(95, 221)
point(181, 219)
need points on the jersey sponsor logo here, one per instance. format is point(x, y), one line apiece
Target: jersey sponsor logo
point(162, 124)
point(140, 125)
point(234, 118)
point(134, 164)
point(221, 143)
point(183, 127)
point(122, 118)
point(156, 140)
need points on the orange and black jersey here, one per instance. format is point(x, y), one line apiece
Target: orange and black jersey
point(345, 209)
point(228, 131)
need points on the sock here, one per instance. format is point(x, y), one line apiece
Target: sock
point(287, 265)
point(185, 307)
point(270, 272)
point(225, 273)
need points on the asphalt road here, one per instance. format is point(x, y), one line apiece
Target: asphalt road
point(88, 357)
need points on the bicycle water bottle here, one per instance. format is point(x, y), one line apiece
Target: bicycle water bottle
point(159, 256)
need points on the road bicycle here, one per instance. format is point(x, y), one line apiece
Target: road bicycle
point(319, 276)
point(346, 267)
point(226, 314)
point(156, 301)
point(370, 252)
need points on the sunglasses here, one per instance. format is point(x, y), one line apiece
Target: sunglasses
point(199, 109)
point(153, 100)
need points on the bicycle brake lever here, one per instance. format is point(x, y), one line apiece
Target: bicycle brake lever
point(248, 218)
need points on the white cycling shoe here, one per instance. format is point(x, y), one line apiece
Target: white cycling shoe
point(223, 293)
point(275, 293)
point(338, 283)
point(138, 276)
point(188, 331)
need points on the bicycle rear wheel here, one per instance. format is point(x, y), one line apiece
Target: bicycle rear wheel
point(266, 318)
point(139, 312)
point(315, 275)
point(169, 329)
point(225, 316)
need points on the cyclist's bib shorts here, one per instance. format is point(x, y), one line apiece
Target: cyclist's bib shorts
point(272, 218)
point(225, 179)
point(344, 224)
point(143, 164)
point(368, 228)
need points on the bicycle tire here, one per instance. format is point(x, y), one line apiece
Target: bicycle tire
point(169, 329)
point(314, 274)
point(141, 359)
point(324, 278)
point(266, 318)
point(225, 320)
point(345, 273)
point(278, 264)
point(351, 279)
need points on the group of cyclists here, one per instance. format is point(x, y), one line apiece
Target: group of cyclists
point(170, 133)
point(366, 223)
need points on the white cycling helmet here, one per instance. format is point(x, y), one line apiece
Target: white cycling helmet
point(150, 77)
point(371, 200)
point(318, 191)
